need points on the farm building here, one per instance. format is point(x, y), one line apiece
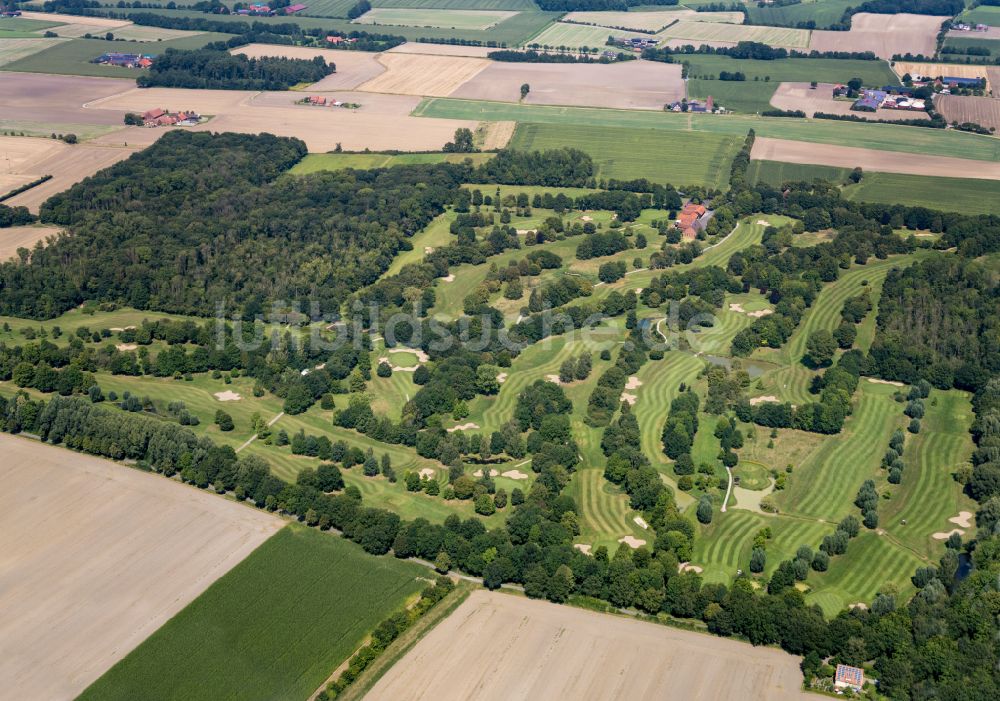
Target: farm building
point(685, 105)
point(256, 10)
point(955, 82)
point(124, 60)
point(331, 39)
point(848, 677)
point(640, 42)
point(292, 9)
point(10, 13)
point(870, 100)
point(692, 219)
point(159, 117)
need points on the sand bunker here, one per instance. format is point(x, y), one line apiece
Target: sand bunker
point(427, 472)
point(582, 547)
point(502, 377)
point(126, 346)
point(964, 519)
point(688, 567)
point(632, 542)
point(463, 427)
point(630, 398)
point(877, 381)
point(479, 473)
point(515, 475)
point(641, 522)
point(554, 379)
point(228, 396)
point(737, 307)
point(761, 400)
point(450, 277)
point(421, 355)
point(760, 312)
point(946, 536)
point(633, 383)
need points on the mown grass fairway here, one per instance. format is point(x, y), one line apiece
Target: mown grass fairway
point(886, 137)
point(316, 162)
point(274, 627)
point(695, 159)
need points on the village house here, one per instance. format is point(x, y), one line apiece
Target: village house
point(848, 677)
point(692, 219)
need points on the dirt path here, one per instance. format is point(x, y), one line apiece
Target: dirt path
point(729, 490)
point(252, 438)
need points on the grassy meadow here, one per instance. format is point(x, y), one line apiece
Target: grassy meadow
point(276, 626)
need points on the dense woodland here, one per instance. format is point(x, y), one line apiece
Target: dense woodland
point(214, 68)
point(179, 214)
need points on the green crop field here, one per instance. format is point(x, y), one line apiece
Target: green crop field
point(697, 32)
point(984, 14)
point(823, 12)
point(574, 36)
point(74, 57)
point(777, 173)
point(14, 50)
point(315, 162)
point(22, 24)
point(328, 8)
point(480, 20)
point(749, 97)
point(884, 137)
point(971, 41)
point(947, 194)
point(276, 626)
point(693, 158)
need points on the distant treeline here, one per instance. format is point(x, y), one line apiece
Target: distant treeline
point(750, 50)
point(596, 5)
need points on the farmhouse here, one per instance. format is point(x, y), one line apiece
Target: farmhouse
point(848, 677)
point(256, 10)
point(292, 9)
point(691, 220)
point(124, 60)
point(870, 100)
point(686, 105)
point(162, 118)
point(956, 82)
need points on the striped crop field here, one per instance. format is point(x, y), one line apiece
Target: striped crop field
point(871, 562)
point(929, 495)
point(825, 484)
point(692, 158)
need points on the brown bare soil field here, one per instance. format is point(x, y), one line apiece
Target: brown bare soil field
point(981, 110)
point(97, 556)
point(992, 77)
point(413, 47)
point(353, 67)
point(940, 70)
point(497, 647)
point(416, 74)
point(628, 85)
point(66, 164)
point(886, 35)
point(800, 96)
point(871, 159)
point(15, 237)
point(57, 98)
point(208, 102)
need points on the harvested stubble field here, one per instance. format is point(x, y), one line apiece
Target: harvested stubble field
point(801, 96)
point(980, 110)
point(446, 19)
point(869, 159)
point(99, 24)
point(885, 35)
point(15, 237)
point(353, 67)
point(383, 122)
point(720, 31)
point(274, 627)
point(97, 556)
point(631, 85)
point(652, 21)
point(424, 75)
point(497, 646)
point(414, 47)
point(135, 32)
point(459, 4)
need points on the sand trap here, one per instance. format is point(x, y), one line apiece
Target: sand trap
point(502, 377)
point(228, 396)
point(688, 567)
point(421, 355)
point(632, 542)
point(760, 312)
point(633, 383)
point(737, 307)
point(450, 277)
point(877, 381)
point(479, 473)
point(428, 249)
point(126, 346)
point(515, 475)
point(586, 218)
point(119, 329)
point(946, 536)
point(763, 222)
point(582, 547)
point(630, 398)
point(641, 522)
point(427, 472)
point(554, 379)
point(964, 519)
point(859, 605)
point(761, 400)
point(463, 427)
